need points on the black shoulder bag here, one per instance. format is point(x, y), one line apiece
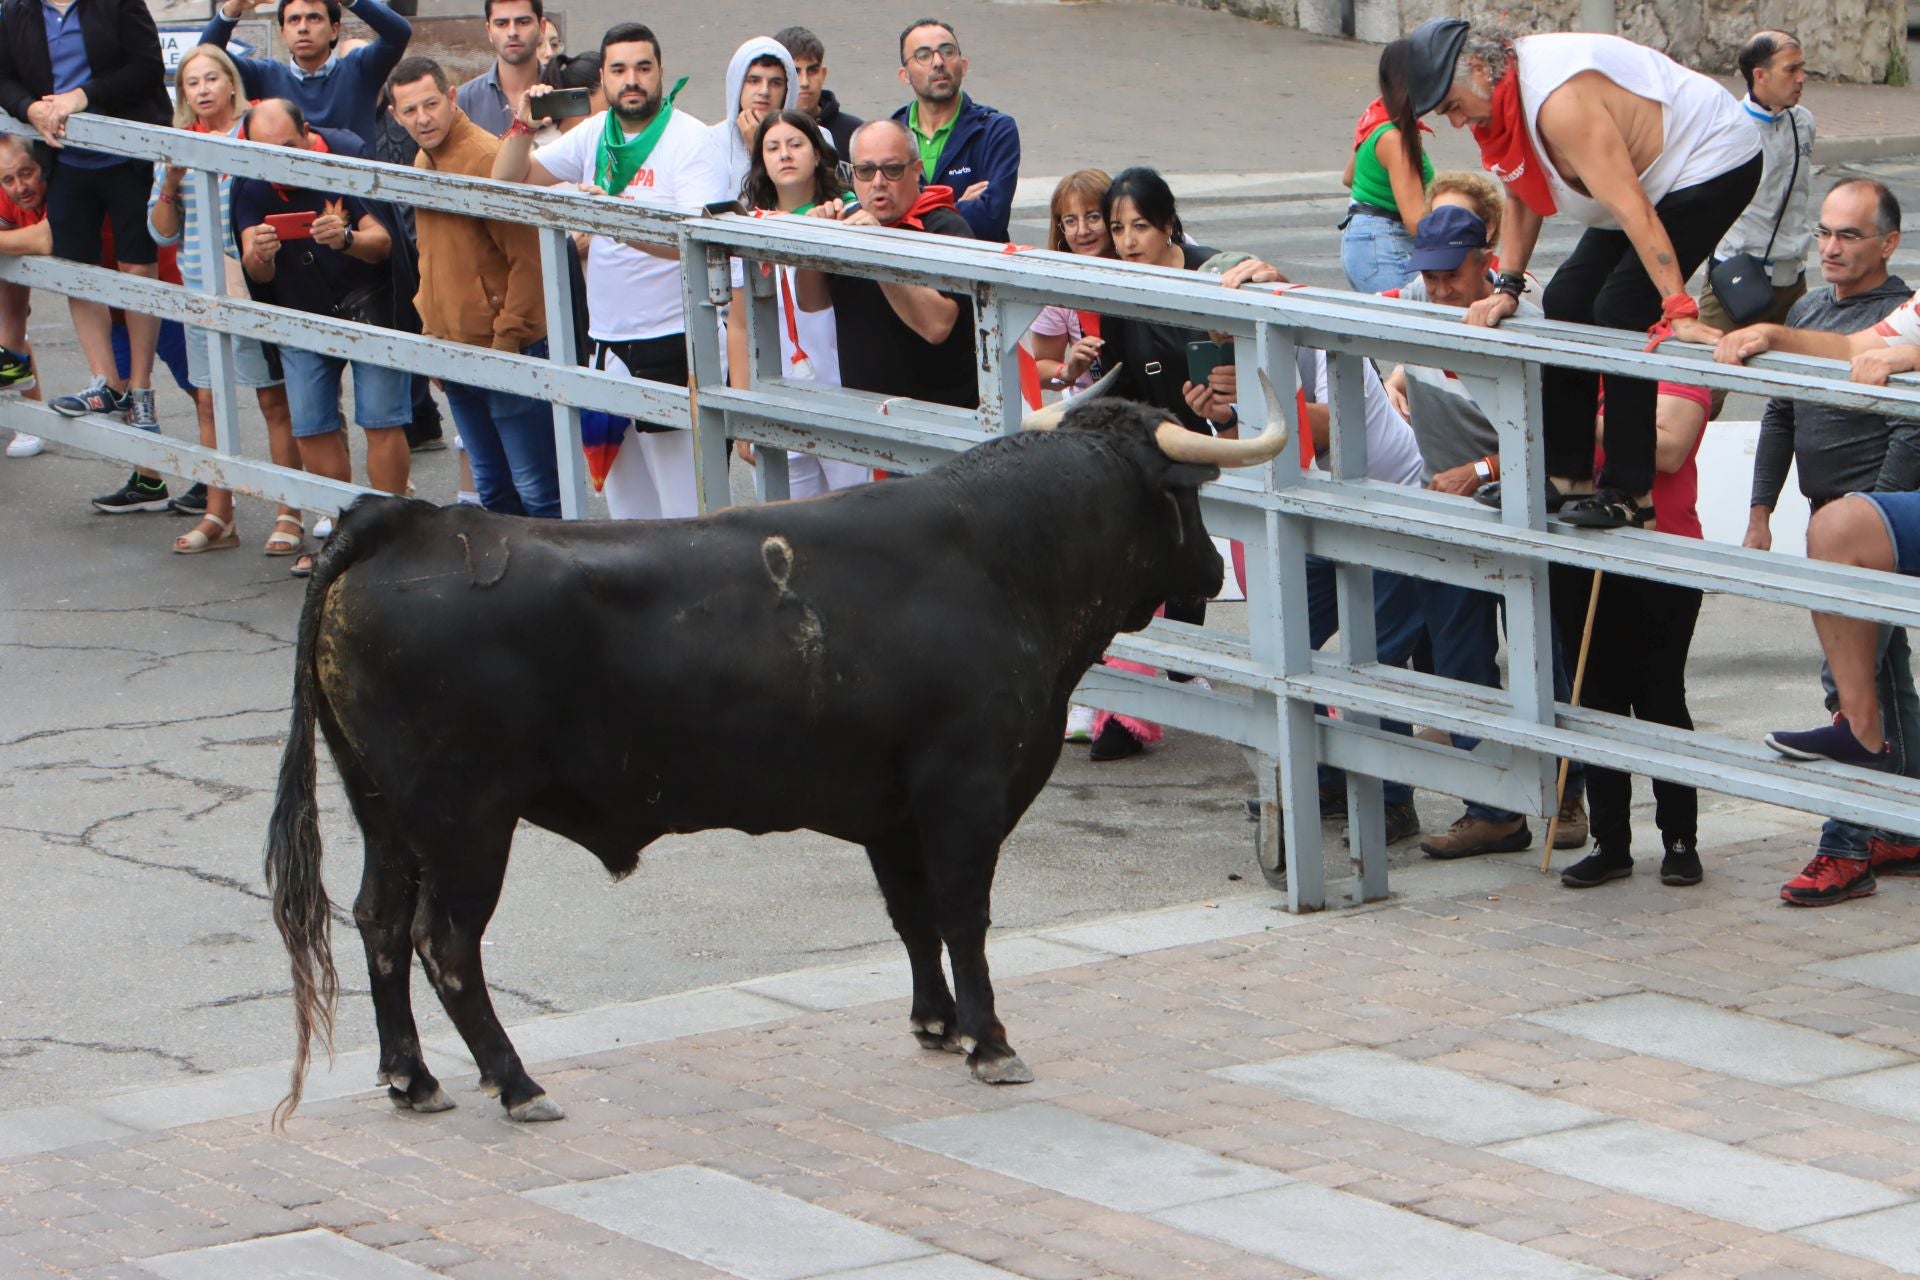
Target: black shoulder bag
point(1744, 282)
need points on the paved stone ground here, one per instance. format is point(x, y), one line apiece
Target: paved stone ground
point(1633, 1081)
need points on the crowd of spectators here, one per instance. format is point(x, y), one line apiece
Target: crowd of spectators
point(1666, 171)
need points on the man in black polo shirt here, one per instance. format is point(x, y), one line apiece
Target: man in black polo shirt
point(897, 339)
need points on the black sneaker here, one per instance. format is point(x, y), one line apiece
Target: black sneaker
point(16, 370)
point(137, 494)
point(1116, 742)
point(1681, 866)
point(191, 503)
point(1403, 822)
point(1597, 868)
point(97, 398)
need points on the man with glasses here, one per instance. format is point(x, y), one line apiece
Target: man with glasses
point(961, 144)
point(1838, 452)
point(897, 339)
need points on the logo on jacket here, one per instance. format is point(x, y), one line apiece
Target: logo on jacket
point(961, 172)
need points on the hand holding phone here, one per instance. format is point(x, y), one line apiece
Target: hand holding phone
point(1205, 356)
point(292, 226)
point(560, 104)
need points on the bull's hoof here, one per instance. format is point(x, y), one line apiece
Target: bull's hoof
point(1007, 1070)
point(936, 1035)
point(539, 1107)
point(437, 1100)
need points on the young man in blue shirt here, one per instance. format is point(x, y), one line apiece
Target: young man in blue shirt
point(332, 90)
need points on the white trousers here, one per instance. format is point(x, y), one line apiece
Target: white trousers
point(652, 477)
point(809, 477)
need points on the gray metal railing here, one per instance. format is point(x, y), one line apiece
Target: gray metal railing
point(1267, 684)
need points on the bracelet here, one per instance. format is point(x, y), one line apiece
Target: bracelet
point(518, 129)
point(166, 196)
point(1511, 283)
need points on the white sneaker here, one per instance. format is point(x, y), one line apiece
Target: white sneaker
point(24, 446)
point(323, 528)
point(1080, 723)
point(467, 497)
point(1200, 682)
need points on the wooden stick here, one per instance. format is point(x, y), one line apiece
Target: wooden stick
point(1579, 678)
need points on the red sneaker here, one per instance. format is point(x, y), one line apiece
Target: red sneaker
point(1827, 880)
point(1890, 859)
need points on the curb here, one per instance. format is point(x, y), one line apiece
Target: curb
point(1883, 146)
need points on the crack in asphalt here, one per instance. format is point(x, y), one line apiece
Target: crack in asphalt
point(39, 735)
point(179, 1060)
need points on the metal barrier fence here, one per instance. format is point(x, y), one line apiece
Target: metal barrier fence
point(1267, 683)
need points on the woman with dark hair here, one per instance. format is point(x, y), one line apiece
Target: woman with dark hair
point(574, 71)
point(1387, 179)
point(793, 170)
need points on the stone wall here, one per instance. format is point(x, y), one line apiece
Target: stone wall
point(1857, 40)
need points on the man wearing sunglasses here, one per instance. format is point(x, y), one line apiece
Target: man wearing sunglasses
point(961, 144)
point(896, 339)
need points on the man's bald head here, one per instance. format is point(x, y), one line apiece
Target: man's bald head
point(1775, 68)
point(277, 123)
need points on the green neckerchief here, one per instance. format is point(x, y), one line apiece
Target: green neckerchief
point(931, 147)
point(811, 205)
point(620, 156)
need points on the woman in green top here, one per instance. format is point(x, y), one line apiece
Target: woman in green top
point(1388, 177)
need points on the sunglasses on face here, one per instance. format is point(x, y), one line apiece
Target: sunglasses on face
point(865, 172)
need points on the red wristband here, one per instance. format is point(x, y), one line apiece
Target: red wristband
point(1679, 306)
point(518, 129)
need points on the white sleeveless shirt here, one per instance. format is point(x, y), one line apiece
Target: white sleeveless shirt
point(1705, 133)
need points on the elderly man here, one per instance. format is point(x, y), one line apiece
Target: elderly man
point(897, 339)
point(333, 90)
point(23, 231)
point(480, 284)
point(334, 266)
point(960, 143)
point(513, 29)
point(1655, 159)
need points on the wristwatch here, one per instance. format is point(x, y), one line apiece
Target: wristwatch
point(1232, 422)
point(346, 245)
point(1482, 471)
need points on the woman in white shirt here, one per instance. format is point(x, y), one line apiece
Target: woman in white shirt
point(793, 170)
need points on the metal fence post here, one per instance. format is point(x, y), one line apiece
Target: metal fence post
point(556, 255)
point(210, 247)
point(705, 281)
point(1516, 412)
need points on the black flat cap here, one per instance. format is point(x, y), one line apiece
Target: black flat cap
point(1433, 49)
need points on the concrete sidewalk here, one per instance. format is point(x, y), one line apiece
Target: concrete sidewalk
point(1490, 1076)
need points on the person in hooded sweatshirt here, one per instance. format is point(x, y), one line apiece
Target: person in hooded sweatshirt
point(760, 81)
point(810, 63)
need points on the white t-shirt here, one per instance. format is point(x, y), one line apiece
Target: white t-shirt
point(1902, 327)
point(819, 336)
point(631, 294)
point(1393, 455)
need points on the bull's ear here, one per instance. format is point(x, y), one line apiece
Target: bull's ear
point(1189, 475)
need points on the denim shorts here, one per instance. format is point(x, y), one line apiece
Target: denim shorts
point(1900, 512)
point(1374, 252)
point(382, 397)
point(250, 368)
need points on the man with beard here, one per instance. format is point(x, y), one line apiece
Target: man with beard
point(964, 145)
point(513, 29)
point(23, 231)
point(640, 147)
point(810, 71)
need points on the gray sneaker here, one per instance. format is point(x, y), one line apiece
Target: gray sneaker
point(97, 398)
point(140, 409)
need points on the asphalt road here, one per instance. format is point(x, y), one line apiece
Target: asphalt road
point(143, 695)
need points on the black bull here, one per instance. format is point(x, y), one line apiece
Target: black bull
point(915, 641)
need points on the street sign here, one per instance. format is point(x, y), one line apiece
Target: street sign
point(177, 42)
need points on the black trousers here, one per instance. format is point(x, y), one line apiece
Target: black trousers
point(1603, 283)
point(1637, 666)
point(655, 359)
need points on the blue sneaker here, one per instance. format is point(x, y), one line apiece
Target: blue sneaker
point(1829, 742)
point(16, 371)
point(97, 398)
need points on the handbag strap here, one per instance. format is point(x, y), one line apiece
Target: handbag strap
point(1786, 198)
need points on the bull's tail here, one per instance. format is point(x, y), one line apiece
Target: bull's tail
point(301, 908)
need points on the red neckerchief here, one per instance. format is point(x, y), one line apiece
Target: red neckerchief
point(931, 198)
point(1506, 148)
point(1372, 118)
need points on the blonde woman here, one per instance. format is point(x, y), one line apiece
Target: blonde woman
point(209, 101)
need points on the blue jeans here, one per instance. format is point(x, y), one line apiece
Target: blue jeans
point(1398, 625)
point(1374, 252)
point(509, 441)
point(382, 397)
point(1465, 627)
point(1900, 720)
point(170, 349)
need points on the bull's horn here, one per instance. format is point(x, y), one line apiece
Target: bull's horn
point(1183, 445)
point(1048, 418)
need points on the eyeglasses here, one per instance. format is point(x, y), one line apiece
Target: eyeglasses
point(1845, 235)
point(946, 53)
point(1074, 222)
point(865, 172)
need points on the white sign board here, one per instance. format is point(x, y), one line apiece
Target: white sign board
point(177, 42)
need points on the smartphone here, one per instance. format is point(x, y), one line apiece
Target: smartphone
point(561, 104)
point(292, 226)
point(1204, 357)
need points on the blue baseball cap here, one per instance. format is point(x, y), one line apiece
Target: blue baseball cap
point(1445, 238)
